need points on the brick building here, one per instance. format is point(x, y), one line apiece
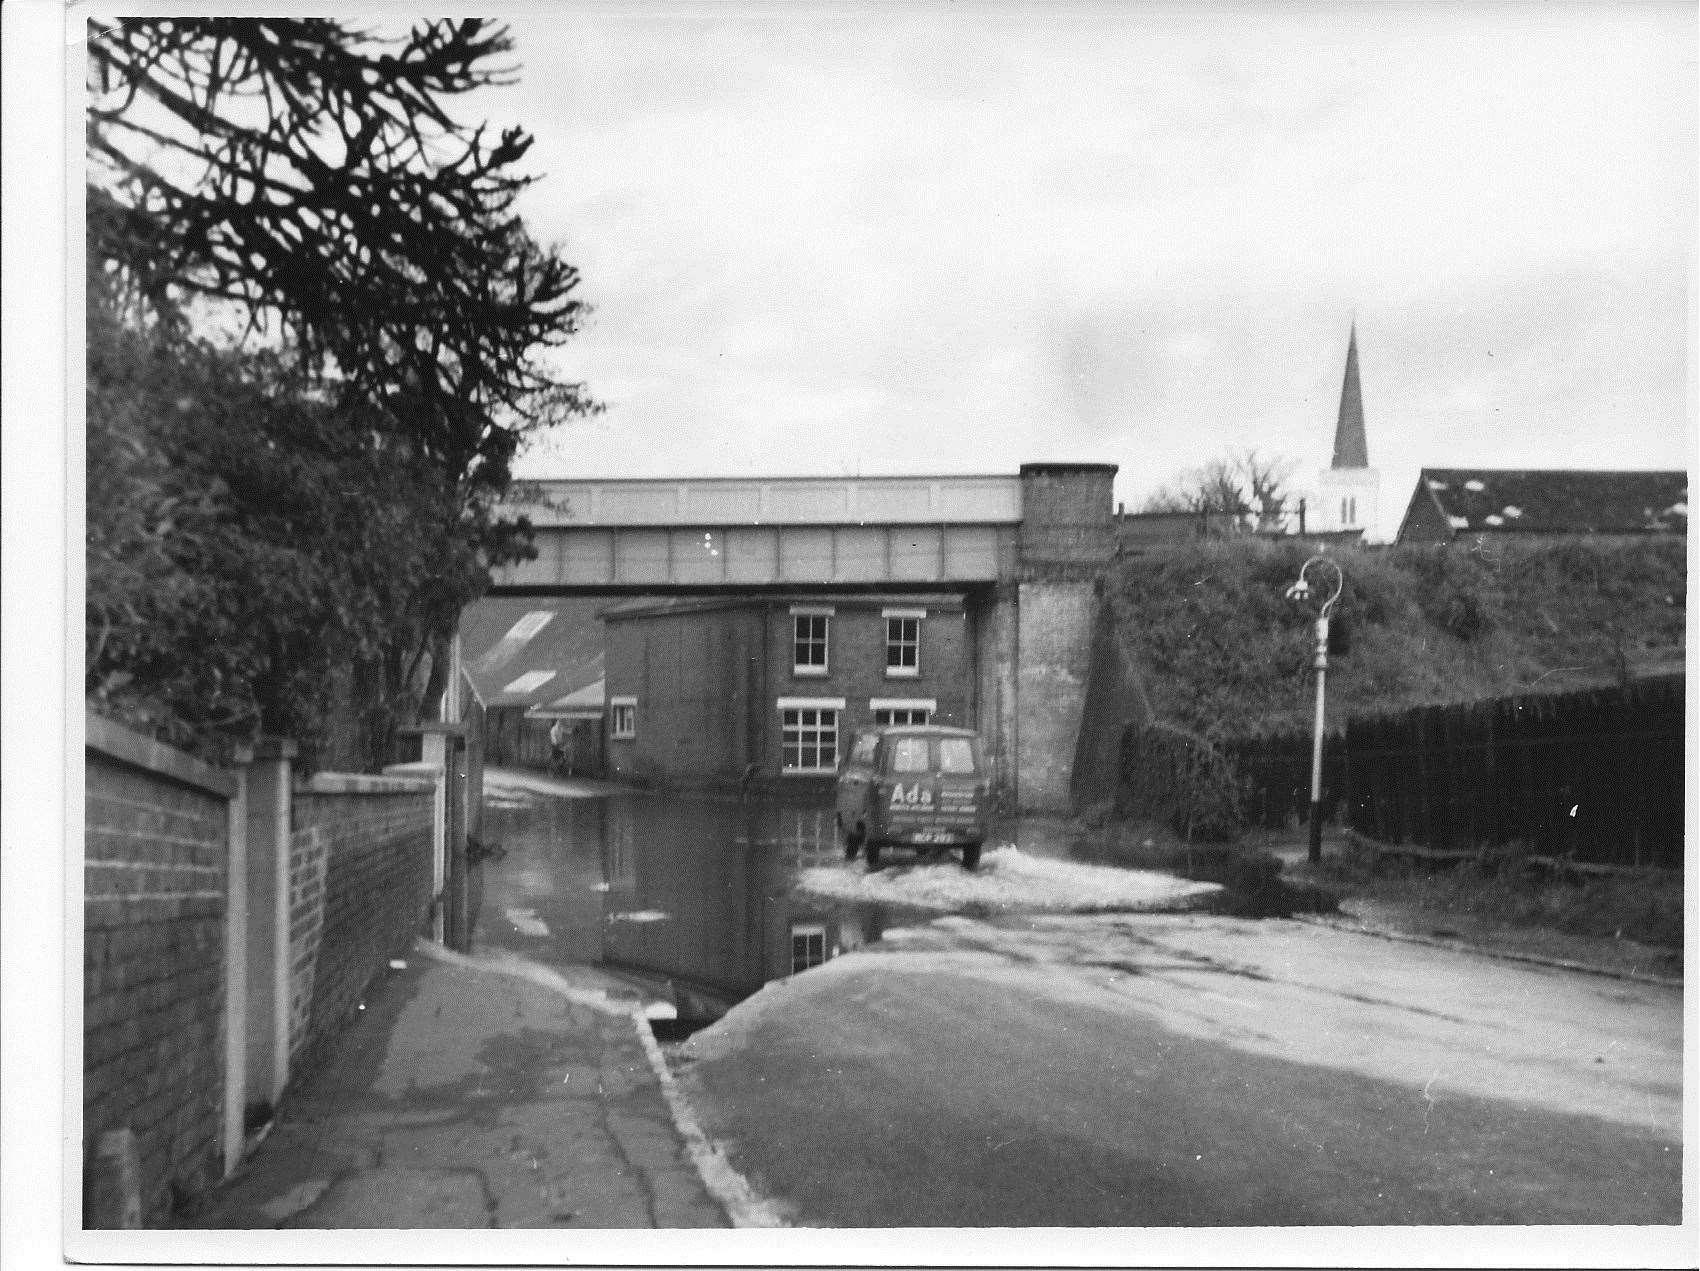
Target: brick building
point(725, 690)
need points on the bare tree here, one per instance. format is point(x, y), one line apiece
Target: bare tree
point(1248, 487)
point(1265, 479)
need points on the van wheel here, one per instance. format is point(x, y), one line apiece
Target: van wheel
point(873, 851)
point(853, 842)
point(970, 855)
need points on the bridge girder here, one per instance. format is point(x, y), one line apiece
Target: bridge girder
point(636, 557)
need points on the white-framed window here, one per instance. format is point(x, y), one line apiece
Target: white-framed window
point(808, 946)
point(902, 710)
point(808, 734)
point(811, 630)
point(622, 718)
point(903, 641)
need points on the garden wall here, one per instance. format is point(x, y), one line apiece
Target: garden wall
point(156, 845)
point(232, 920)
point(360, 893)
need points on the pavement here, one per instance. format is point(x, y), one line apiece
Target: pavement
point(486, 1092)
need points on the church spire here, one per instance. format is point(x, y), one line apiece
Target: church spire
point(1350, 448)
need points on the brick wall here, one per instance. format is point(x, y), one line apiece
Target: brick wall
point(856, 665)
point(1067, 518)
point(360, 890)
point(156, 843)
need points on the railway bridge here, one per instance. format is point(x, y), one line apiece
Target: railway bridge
point(1026, 551)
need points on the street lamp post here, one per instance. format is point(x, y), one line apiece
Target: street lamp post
point(1302, 591)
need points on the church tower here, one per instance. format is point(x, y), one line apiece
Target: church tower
point(1348, 492)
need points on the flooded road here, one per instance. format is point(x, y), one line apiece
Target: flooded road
point(693, 896)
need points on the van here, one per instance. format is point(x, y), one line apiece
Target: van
point(918, 785)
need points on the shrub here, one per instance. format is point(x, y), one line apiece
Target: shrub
point(1178, 778)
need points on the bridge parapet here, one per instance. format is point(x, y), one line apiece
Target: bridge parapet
point(723, 501)
point(740, 534)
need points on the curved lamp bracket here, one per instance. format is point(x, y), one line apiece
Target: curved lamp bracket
point(1303, 590)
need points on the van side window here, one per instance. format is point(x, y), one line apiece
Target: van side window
point(956, 755)
point(909, 754)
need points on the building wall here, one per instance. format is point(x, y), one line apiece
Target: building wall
point(360, 890)
point(1424, 522)
point(1362, 485)
point(693, 674)
point(156, 845)
point(708, 682)
point(857, 672)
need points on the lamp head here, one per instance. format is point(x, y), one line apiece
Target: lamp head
point(1299, 590)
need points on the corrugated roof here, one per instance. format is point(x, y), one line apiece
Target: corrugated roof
point(521, 651)
point(1558, 501)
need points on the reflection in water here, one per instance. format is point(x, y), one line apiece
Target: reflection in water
point(696, 890)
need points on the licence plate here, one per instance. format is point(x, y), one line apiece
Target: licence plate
point(934, 836)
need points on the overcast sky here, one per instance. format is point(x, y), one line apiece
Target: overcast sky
point(903, 237)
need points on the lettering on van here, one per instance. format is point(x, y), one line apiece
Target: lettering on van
point(916, 795)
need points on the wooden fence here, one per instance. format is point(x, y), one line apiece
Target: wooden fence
point(1593, 776)
point(1276, 771)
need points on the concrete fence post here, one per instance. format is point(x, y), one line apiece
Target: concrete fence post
point(434, 751)
point(236, 899)
point(267, 782)
point(434, 769)
point(444, 746)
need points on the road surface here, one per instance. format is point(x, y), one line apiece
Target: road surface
point(1136, 1070)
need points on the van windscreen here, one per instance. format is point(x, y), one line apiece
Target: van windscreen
point(909, 754)
point(956, 755)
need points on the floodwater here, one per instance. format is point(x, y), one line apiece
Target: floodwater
point(689, 895)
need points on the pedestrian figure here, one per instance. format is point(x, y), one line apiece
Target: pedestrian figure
point(558, 746)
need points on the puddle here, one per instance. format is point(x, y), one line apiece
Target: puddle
point(700, 901)
point(692, 899)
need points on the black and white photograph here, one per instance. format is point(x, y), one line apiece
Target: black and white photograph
point(925, 633)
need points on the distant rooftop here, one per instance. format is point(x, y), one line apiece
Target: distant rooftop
point(1553, 501)
point(521, 651)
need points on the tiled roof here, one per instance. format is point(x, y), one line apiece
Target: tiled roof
point(1563, 501)
point(521, 651)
